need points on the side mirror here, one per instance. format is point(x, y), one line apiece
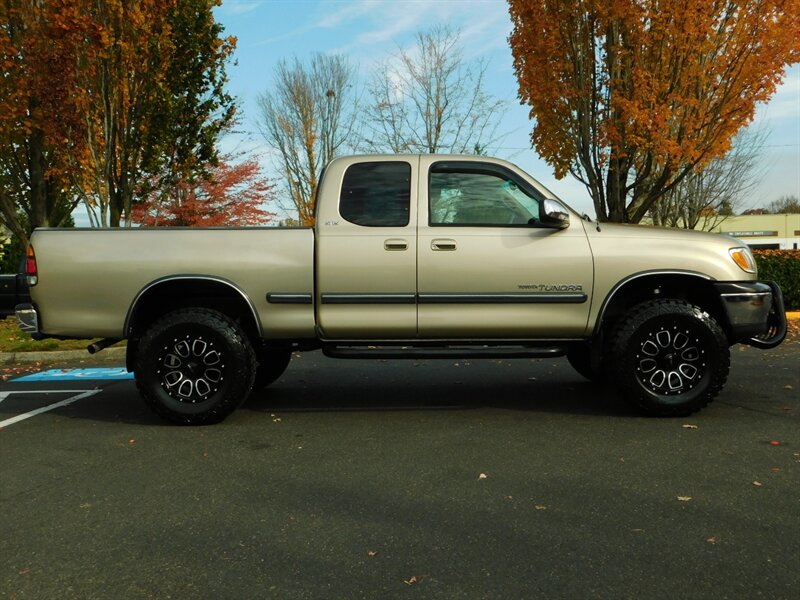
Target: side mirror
point(554, 215)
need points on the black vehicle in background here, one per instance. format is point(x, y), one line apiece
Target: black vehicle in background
point(13, 290)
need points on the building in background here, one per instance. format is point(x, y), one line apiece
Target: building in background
point(778, 232)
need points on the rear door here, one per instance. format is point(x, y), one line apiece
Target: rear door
point(366, 250)
point(486, 271)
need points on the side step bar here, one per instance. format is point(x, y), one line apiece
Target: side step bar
point(444, 351)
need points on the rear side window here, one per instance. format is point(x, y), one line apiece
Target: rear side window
point(376, 194)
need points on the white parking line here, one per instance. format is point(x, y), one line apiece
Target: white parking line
point(81, 394)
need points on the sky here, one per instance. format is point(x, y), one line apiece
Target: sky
point(368, 31)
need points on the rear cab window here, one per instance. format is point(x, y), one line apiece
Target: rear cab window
point(376, 194)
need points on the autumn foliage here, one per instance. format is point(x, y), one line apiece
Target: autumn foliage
point(230, 195)
point(101, 98)
point(630, 96)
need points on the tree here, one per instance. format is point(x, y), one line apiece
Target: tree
point(784, 205)
point(40, 111)
point(430, 99)
point(707, 196)
point(230, 195)
point(158, 100)
point(309, 117)
point(100, 98)
point(632, 96)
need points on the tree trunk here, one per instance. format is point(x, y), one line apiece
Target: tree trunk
point(38, 185)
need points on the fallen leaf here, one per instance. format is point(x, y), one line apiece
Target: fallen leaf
point(411, 581)
point(684, 498)
point(372, 553)
point(712, 540)
point(86, 505)
point(24, 571)
point(687, 426)
point(776, 469)
point(757, 483)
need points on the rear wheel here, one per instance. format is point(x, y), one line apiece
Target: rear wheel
point(194, 366)
point(669, 357)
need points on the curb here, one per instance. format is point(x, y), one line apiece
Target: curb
point(18, 358)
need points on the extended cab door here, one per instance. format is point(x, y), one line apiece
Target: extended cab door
point(366, 249)
point(486, 270)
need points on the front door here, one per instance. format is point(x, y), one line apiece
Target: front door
point(487, 268)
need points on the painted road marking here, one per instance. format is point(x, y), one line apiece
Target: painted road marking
point(77, 374)
point(38, 411)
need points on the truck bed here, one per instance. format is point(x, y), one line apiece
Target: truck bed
point(97, 274)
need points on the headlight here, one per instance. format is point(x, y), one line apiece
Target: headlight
point(744, 258)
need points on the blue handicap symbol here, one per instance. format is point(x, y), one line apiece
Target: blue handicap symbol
point(116, 373)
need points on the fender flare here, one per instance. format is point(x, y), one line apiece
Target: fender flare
point(187, 277)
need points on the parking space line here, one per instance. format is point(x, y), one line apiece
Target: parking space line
point(38, 411)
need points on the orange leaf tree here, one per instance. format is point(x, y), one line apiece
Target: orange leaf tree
point(41, 121)
point(99, 99)
point(158, 102)
point(629, 96)
point(229, 195)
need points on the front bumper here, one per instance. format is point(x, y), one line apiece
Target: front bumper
point(755, 312)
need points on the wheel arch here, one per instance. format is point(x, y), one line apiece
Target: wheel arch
point(690, 286)
point(182, 291)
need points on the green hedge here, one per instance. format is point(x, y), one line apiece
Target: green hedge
point(782, 266)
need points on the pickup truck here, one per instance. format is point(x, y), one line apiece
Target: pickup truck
point(418, 256)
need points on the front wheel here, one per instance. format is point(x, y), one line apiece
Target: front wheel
point(669, 357)
point(194, 366)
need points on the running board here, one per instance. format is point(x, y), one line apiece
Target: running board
point(444, 351)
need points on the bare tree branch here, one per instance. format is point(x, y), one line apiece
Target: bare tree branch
point(428, 99)
point(309, 117)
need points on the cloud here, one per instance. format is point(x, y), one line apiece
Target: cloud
point(240, 8)
point(484, 24)
point(346, 12)
point(785, 103)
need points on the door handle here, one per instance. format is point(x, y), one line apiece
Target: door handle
point(395, 245)
point(443, 245)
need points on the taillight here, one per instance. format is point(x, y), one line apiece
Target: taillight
point(30, 266)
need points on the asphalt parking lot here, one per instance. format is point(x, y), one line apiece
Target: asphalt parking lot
point(427, 479)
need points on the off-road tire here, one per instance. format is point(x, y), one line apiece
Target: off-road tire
point(669, 357)
point(194, 366)
point(272, 362)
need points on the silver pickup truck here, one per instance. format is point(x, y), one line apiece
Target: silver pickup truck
point(420, 256)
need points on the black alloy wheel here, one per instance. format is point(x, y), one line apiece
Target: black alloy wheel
point(194, 366)
point(669, 357)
